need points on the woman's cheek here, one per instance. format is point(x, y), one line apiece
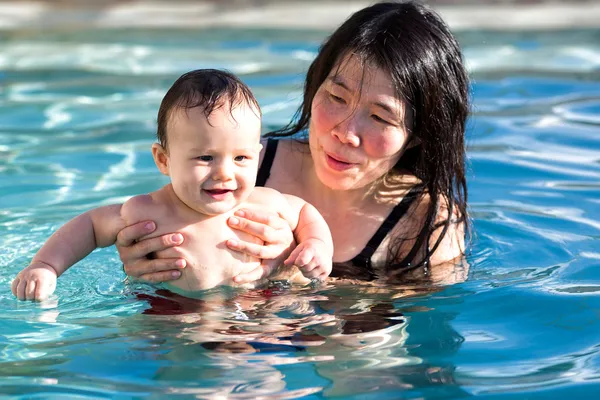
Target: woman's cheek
point(323, 115)
point(385, 144)
point(318, 120)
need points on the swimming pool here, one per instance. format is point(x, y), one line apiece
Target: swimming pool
point(76, 123)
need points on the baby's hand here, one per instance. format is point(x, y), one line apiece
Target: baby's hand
point(36, 282)
point(313, 257)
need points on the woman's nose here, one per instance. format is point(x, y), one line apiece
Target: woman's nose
point(348, 131)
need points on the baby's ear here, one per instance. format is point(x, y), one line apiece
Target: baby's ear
point(161, 158)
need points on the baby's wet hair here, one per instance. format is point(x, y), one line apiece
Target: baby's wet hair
point(209, 89)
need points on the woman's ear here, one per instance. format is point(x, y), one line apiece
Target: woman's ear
point(161, 158)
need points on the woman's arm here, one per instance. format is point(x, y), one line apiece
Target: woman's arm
point(446, 264)
point(452, 244)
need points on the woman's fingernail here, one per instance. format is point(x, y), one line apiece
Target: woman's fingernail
point(180, 263)
point(233, 221)
point(149, 226)
point(175, 274)
point(176, 238)
point(233, 242)
point(240, 213)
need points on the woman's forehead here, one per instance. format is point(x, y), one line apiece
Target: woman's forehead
point(352, 70)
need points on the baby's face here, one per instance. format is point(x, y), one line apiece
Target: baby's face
point(213, 162)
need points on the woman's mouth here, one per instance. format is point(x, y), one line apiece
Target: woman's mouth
point(336, 163)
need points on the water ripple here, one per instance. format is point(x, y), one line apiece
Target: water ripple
point(77, 119)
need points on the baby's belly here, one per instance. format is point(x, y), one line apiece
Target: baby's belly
point(203, 273)
point(210, 264)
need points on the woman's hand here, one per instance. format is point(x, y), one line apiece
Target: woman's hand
point(135, 255)
point(273, 230)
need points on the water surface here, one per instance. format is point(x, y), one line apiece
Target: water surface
point(77, 119)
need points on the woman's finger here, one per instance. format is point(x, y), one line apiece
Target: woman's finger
point(253, 249)
point(262, 217)
point(171, 252)
point(158, 266)
point(130, 234)
point(264, 232)
point(141, 249)
point(158, 277)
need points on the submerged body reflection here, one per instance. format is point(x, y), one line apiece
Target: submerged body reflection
point(354, 337)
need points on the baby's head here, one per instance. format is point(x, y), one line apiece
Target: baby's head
point(209, 140)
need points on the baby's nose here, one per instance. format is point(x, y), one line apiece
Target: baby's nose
point(223, 171)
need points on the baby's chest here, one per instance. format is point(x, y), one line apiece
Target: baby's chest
point(205, 242)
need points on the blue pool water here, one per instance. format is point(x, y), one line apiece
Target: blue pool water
point(77, 111)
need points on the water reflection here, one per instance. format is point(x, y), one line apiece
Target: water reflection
point(351, 338)
point(75, 129)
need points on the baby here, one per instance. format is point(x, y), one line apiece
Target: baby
point(209, 126)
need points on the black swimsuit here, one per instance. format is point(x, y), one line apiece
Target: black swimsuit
point(361, 263)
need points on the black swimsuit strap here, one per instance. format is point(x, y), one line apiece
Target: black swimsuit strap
point(364, 257)
point(265, 168)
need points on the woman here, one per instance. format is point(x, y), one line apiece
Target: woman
point(385, 105)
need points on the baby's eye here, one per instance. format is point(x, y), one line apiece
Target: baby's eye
point(205, 158)
point(240, 158)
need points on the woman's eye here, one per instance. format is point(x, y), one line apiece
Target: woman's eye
point(379, 119)
point(205, 158)
point(240, 158)
point(337, 99)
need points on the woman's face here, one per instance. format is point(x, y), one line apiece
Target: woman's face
point(357, 129)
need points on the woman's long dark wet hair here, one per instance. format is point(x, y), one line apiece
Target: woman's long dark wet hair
point(415, 47)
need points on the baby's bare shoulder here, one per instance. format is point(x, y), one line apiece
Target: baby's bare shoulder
point(271, 200)
point(264, 196)
point(144, 206)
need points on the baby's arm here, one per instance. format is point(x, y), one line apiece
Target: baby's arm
point(314, 252)
point(71, 243)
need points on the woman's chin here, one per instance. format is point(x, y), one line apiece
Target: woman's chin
point(337, 182)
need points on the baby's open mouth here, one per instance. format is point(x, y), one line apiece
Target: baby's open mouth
point(218, 194)
point(219, 191)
